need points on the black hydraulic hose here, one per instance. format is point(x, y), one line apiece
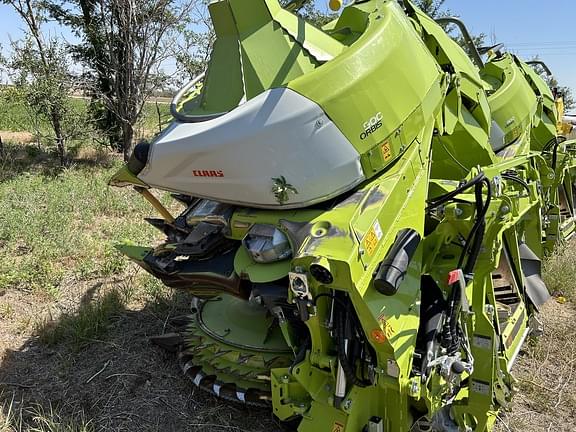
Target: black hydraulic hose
point(555, 154)
point(301, 355)
point(474, 244)
point(481, 211)
point(481, 221)
point(433, 203)
point(345, 331)
point(554, 143)
point(330, 296)
point(516, 179)
point(341, 347)
point(450, 327)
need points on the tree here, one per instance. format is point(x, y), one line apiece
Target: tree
point(40, 69)
point(124, 45)
point(565, 92)
point(311, 13)
point(435, 9)
point(192, 53)
point(83, 19)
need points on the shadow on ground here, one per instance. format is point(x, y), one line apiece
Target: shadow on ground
point(118, 383)
point(16, 159)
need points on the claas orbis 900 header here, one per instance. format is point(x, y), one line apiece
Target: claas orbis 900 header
point(365, 210)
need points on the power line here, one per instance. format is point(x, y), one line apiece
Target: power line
point(538, 43)
point(560, 54)
point(570, 49)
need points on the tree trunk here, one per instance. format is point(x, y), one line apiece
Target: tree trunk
point(60, 140)
point(116, 140)
point(127, 137)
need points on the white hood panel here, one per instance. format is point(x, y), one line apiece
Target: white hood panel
point(234, 158)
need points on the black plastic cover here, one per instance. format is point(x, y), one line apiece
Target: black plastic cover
point(139, 158)
point(393, 268)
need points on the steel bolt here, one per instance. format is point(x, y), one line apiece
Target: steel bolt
point(489, 309)
point(347, 404)
point(414, 387)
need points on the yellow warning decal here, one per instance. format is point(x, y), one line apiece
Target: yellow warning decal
point(370, 242)
point(338, 427)
point(386, 326)
point(386, 150)
point(372, 238)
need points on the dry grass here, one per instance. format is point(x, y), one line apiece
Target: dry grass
point(19, 137)
point(91, 321)
point(560, 272)
point(99, 372)
point(15, 418)
point(75, 319)
point(546, 375)
point(546, 372)
point(75, 316)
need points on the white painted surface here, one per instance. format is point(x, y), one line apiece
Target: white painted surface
point(278, 133)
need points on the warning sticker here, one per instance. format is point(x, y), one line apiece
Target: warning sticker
point(386, 150)
point(338, 427)
point(372, 238)
point(386, 326)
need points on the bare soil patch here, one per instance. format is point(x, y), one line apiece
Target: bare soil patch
point(124, 383)
point(119, 383)
point(17, 137)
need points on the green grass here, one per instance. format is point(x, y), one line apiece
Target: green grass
point(58, 229)
point(39, 419)
point(16, 118)
point(91, 322)
point(559, 271)
point(150, 118)
point(13, 117)
point(61, 224)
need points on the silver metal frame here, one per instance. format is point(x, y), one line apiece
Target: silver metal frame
point(187, 118)
point(460, 24)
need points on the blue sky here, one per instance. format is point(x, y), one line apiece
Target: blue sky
point(527, 27)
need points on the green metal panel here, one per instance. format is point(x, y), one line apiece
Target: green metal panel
point(258, 46)
point(215, 97)
point(513, 103)
point(462, 135)
point(545, 131)
point(435, 110)
point(259, 273)
point(387, 71)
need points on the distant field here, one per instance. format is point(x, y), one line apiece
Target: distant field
point(15, 117)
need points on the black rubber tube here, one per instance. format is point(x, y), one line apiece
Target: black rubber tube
point(393, 268)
